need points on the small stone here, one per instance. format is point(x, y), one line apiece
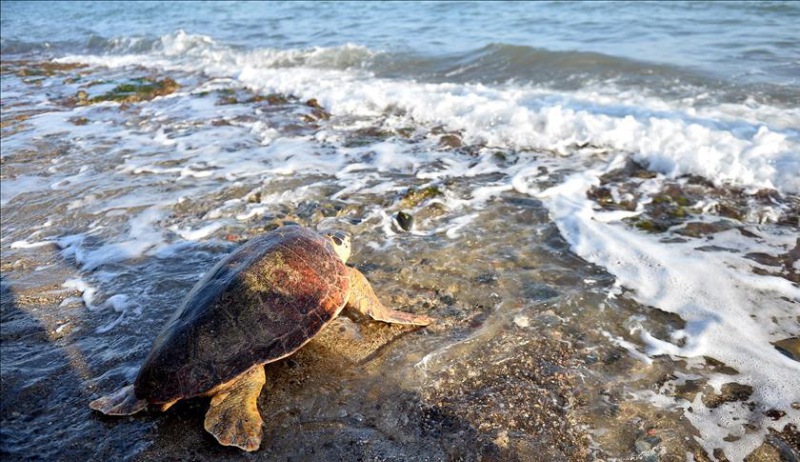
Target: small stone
point(642, 446)
point(487, 278)
point(775, 414)
point(689, 389)
point(502, 439)
point(522, 321)
point(700, 229)
point(405, 220)
point(789, 347)
point(450, 141)
point(730, 392)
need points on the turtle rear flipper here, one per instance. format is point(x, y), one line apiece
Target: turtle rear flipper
point(121, 402)
point(233, 416)
point(363, 299)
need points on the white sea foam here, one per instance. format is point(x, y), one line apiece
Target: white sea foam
point(86, 290)
point(731, 314)
point(121, 304)
point(142, 236)
point(197, 234)
point(28, 245)
point(754, 147)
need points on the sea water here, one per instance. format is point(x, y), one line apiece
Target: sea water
point(658, 143)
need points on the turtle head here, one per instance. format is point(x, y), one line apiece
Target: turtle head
point(340, 242)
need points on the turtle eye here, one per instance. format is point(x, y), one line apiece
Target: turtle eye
point(337, 239)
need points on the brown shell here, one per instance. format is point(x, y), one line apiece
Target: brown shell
point(259, 304)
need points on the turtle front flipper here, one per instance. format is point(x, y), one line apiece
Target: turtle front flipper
point(363, 299)
point(121, 402)
point(233, 417)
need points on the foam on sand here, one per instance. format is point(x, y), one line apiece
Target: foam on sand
point(731, 314)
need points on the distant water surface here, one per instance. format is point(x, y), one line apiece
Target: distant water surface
point(735, 42)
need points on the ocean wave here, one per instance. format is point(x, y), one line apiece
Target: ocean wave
point(502, 62)
point(489, 64)
point(749, 144)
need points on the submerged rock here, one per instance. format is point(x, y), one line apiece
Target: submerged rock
point(137, 90)
point(729, 392)
point(450, 141)
point(789, 347)
point(415, 196)
point(26, 68)
point(700, 229)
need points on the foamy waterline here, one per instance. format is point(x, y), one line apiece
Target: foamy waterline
point(744, 145)
point(731, 314)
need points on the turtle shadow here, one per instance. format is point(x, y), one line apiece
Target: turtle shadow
point(43, 410)
point(59, 352)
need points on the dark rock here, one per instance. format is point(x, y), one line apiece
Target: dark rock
point(775, 414)
point(601, 195)
point(700, 229)
point(450, 141)
point(764, 259)
point(790, 347)
point(689, 389)
point(487, 278)
point(719, 367)
point(730, 392)
point(405, 220)
point(448, 299)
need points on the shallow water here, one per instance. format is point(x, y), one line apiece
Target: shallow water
point(607, 234)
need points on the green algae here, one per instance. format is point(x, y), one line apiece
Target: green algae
point(228, 96)
point(415, 196)
point(137, 90)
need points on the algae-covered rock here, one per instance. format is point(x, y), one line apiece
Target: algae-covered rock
point(137, 90)
point(415, 196)
point(317, 112)
point(24, 68)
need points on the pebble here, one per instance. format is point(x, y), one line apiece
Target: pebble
point(405, 220)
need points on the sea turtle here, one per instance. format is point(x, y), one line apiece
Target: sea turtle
point(259, 304)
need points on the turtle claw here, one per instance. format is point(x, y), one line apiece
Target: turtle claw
point(234, 430)
point(233, 416)
point(233, 427)
point(121, 402)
